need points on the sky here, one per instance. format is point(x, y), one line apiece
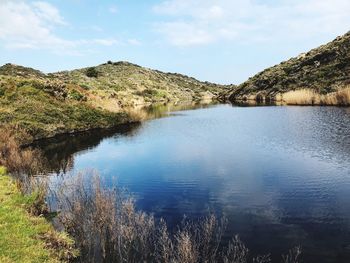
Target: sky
point(222, 41)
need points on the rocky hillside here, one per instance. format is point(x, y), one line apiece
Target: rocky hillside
point(95, 97)
point(320, 76)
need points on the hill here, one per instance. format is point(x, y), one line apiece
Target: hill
point(320, 76)
point(104, 96)
point(116, 85)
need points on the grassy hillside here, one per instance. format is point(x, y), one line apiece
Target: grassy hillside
point(320, 76)
point(116, 85)
point(99, 97)
point(44, 109)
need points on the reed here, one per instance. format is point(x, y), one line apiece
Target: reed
point(340, 97)
point(22, 163)
point(107, 227)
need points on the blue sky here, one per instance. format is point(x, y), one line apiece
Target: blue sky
point(224, 41)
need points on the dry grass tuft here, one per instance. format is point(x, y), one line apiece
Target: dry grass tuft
point(104, 223)
point(293, 256)
point(19, 161)
point(107, 228)
point(23, 164)
point(311, 97)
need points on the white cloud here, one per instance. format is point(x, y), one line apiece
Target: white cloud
point(48, 12)
point(113, 9)
point(29, 26)
point(182, 33)
point(198, 22)
point(26, 25)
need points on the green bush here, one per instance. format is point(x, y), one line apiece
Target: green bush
point(76, 95)
point(84, 86)
point(92, 72)
point(2, 91)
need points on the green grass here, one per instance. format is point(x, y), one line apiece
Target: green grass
point(21, 233)
point(41, 114)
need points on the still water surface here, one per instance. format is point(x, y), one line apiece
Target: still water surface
point(281, 175)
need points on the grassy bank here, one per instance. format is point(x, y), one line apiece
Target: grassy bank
point(26, 238)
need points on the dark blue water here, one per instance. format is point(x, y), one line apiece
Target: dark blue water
point(281, 175)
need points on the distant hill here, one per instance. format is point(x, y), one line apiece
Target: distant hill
point(320, 76)
point(96, 97)
point(20, 71)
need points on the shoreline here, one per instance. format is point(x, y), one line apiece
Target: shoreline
point(25, 237)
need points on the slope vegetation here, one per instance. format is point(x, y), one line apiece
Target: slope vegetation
point(320, 76)
point(122, 84)
point(98, 97)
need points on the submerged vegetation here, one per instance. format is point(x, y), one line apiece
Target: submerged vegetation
point(320, 76)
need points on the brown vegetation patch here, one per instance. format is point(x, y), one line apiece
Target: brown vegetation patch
point(340, 97)
point(108, 228)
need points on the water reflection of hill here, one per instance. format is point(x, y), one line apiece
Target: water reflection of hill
point(59, 151)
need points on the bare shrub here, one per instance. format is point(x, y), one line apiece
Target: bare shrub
point(61, 245)
point(108, 228)
point(293, 256)
point(17, 160)
point(23, 165)
point(36, 191)
point(236, 252)
point(105, 223)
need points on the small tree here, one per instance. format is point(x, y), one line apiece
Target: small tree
point(92, 72)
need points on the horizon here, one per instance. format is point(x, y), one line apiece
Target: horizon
point(221, 41)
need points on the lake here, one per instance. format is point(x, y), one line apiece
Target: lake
point(280, 175)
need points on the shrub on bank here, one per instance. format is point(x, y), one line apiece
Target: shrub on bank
point(108, 228)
